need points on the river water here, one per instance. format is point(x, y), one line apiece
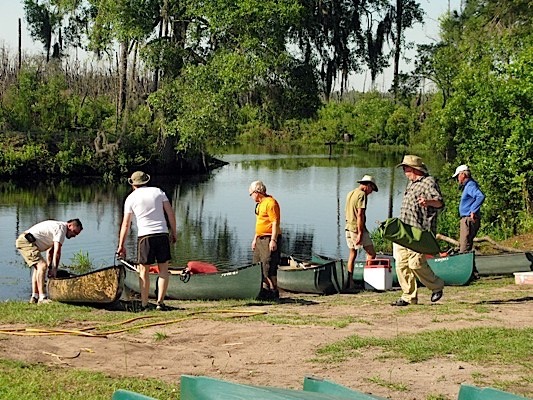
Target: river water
point(215, 216)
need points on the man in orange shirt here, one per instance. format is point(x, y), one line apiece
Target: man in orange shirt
point(265, 244)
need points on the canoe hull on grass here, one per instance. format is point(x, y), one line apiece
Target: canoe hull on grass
point(239, 283)
point(455, 270)
point(319, 385)
point(103, 286)
point(504, 264)
point(320, 278)
point(204, 388)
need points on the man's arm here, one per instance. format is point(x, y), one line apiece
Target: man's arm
point(124, 228)
point(169, 211)
point(361, 222)
point(275, 233)
point(54, 256)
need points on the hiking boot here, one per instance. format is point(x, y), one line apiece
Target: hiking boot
point(45, 300)
point(33, 300)
point(436, 296)
point(400, 303)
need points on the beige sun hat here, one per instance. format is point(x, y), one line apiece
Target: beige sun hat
point(413, 162)
point(369, 179)
point(138, 178)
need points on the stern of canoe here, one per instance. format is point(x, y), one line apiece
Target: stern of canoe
point(103, 286)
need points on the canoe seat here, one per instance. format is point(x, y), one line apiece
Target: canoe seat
point(122, 394)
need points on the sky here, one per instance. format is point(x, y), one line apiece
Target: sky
point(12, 10)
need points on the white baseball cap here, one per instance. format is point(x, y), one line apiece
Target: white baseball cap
point(459, 169)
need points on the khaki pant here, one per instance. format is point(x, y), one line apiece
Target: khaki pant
point(411, 266)
point(467, 233)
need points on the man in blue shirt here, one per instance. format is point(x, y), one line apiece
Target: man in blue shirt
point(471, 200)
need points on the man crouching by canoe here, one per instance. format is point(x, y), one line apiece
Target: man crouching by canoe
point(149, 205)
point(267, 238)
point(45, 236)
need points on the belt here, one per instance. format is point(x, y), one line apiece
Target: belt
point(264, 237)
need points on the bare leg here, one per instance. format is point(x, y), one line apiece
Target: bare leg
point(350, 266)
point(370, 252)
point(144, 283)
point(34, 285)
point(39, 276)
point(162, 282)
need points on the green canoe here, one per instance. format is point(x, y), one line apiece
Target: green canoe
point(122, 394)
point(319, 385)
point(455, 270)
point(504, 264)
point(204, 388)
point(239, 283)
point(468, 392)
point(103, 286)
point(316, 278)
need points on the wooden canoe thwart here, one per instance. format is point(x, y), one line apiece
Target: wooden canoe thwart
point(239, 283)
point(103, 286)
point(325, 277)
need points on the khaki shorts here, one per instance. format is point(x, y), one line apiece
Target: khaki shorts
point(351, 237)
point(29, 251)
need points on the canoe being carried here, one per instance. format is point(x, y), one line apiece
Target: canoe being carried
point(239, 283)
point(103, 286)
point(326, 277)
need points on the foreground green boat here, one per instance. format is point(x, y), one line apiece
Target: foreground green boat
point(319, 385)
point(103, 286)
point(468, 392)
point(204, 388)
point(316, 278)
point(239, 283)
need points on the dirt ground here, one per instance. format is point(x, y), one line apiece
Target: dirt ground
point(280, 354)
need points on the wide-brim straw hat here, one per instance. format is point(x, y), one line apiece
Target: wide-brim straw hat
point(413, 162)
point(369, 179)
point(139, 178)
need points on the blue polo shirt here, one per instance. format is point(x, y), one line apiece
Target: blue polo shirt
point(471, 199)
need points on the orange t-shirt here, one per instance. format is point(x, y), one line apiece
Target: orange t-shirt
point(267, 212)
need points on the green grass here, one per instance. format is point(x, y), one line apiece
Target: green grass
point(398, 387)
point(477, 345)
point(32, 381)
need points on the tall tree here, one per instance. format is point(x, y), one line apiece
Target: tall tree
point(406, 13)
point(44, 22)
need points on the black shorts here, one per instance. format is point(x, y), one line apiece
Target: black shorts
point(153, 249)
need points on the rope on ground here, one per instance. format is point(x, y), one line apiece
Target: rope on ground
point(104, 334)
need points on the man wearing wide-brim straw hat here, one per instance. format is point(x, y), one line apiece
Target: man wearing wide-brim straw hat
point(420, 205)
point(357, 235)
point(151, 208)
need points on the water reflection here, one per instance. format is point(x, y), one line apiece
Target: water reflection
point(215, 216)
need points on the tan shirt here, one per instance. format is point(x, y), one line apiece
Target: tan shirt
point(354, 200)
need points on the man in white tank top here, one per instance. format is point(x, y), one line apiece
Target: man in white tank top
point(150, 205)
